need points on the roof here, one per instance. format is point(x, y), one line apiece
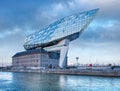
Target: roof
point(28, 52)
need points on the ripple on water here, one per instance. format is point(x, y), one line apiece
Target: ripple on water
point(53, 82)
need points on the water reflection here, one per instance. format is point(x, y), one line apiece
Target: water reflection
point(54, 82)
point(6, 77)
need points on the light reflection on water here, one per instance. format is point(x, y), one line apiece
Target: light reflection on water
point(6, 77)
point(53, 82)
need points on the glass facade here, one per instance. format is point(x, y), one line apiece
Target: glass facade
point(60, 29)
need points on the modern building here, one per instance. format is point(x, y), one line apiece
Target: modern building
point(49, 46)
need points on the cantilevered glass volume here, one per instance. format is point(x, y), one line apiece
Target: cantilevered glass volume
point(60, 29)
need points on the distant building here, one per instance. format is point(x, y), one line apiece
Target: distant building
point(49, 46)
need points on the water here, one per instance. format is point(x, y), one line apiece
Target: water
point(10, 81)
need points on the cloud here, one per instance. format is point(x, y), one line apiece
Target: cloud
point(9, 32)
point(109, 9)
point(102, 32)
point(50, 14)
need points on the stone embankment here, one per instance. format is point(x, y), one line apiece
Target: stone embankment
point(110, 73)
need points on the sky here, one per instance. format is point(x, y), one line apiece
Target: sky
point(99, 43)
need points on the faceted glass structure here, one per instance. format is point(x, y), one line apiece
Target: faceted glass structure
point(64, 28)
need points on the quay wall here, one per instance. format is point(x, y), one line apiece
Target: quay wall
point(109, 73)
